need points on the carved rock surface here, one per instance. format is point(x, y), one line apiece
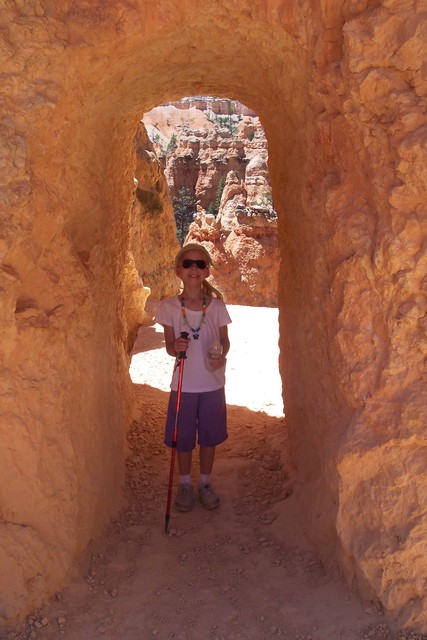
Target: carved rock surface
point(152, 243)
point(340, 90)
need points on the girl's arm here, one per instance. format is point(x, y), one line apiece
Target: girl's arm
point(224, 340)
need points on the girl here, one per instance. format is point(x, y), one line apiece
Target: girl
point(200, 311)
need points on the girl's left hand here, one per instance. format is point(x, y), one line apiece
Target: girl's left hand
point(218, 364)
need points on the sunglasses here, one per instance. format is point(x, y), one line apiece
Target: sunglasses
point(200, 264)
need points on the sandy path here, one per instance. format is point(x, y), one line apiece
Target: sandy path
point(243, 571)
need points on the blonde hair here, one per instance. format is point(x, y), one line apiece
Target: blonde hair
point(207, 288)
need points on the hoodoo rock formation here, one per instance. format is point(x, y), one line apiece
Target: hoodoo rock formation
point(198, 146)
point(242, 240)
point(340, 90)
point(209, 144)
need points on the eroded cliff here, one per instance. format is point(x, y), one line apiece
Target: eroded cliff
point(216, 150)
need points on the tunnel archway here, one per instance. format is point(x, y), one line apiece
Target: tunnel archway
point(350, 263)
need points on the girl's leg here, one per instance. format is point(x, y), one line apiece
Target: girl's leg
point(184, 462)
point(207, 455)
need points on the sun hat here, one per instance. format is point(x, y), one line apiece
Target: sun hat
point(192, 246)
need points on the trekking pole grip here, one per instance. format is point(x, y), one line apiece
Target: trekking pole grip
point(182, 355)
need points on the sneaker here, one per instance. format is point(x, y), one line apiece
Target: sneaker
point(208, 497)
point(184, 500)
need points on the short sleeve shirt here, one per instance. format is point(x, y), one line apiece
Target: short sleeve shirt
point(197, 377)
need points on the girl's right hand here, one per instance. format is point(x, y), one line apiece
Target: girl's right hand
point(181, 344)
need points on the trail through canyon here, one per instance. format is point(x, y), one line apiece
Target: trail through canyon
point(243, 571)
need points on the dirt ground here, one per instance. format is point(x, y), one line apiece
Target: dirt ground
point(243, 571)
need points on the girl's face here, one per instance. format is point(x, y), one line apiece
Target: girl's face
point(193, 268)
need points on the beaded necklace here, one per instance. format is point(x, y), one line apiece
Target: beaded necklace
point(195, 332)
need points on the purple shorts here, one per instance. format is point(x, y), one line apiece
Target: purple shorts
point(202, 413)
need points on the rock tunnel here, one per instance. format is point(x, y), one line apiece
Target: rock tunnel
point(339, 90)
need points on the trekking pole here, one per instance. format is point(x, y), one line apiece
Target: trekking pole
point(181, 357)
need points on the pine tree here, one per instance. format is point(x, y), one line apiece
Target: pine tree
point(184, 208)
point(220, 189)
point(172, 144)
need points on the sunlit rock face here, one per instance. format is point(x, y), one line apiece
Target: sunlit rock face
point(198, 144)
point(242, 240)
point(340, 91)
point(152, 238)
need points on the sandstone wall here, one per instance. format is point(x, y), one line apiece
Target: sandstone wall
point(152, 238)
point(339, 89)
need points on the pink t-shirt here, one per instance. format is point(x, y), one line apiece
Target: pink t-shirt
point(197, 377)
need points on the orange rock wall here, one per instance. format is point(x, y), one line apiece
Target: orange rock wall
point(152, 238)
point(339, 89)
